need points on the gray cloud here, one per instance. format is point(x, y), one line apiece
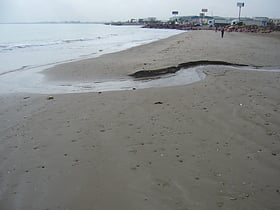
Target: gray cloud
point(107, 10)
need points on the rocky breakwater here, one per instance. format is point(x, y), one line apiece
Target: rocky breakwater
point(251, 28)
point(229, 28)
point(174, 26)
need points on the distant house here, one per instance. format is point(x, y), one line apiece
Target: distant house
point(276, 22)
point(190, 20)
point(219, 21)
point(150, 20)
point(257, 21)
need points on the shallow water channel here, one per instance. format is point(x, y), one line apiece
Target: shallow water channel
point(17, 83)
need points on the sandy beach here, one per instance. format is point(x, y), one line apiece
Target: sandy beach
point(213, 144)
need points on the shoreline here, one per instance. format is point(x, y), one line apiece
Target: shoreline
point(95, 41)
point(213, 144)
point(205, 45)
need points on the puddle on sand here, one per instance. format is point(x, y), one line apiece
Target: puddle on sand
point(33, 82)
point(182, 77)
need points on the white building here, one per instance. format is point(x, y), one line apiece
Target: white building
point(258, 21)
point(276, 22)
point(219, 21)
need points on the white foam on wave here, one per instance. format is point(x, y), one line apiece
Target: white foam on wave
point(34, 45)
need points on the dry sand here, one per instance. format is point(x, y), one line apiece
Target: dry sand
point(214, 144)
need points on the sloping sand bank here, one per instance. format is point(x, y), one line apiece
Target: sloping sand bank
point(214, 144)
point(238, 48)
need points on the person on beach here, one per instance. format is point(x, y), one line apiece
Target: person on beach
point(222, 32)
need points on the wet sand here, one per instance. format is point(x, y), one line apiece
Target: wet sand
point(214, 144)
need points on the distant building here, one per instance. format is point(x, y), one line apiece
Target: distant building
point(150, 20)
point(219, 21)
point(276, 22)
point(134, 21)
point(257, 21)
point(190, 20)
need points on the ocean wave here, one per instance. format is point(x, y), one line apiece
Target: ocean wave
point(46, 65)
point(15, 70)
point(11, 47)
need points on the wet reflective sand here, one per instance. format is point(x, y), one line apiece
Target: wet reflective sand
point(16, 83)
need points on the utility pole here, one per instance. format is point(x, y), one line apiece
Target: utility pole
point(240, 4)
point(175, 13)
point(203, 14)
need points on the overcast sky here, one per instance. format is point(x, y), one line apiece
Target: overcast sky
point(109, 10)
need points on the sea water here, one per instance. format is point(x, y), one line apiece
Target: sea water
point(26, 46)
point(28, 49)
